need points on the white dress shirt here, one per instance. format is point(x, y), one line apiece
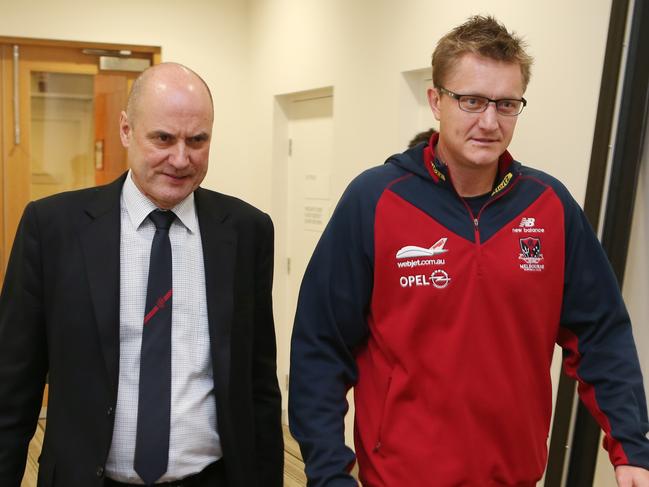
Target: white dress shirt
point(194, 441)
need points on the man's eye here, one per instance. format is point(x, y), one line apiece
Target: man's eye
point(197, 140)
point(164, 137)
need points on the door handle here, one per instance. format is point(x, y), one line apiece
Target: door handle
point(16, 58)
point(99, 154)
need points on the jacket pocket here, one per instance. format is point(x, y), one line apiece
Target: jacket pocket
point(382, 419)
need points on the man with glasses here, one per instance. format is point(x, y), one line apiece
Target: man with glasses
point(438, 291)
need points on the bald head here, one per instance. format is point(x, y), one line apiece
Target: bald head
point(158, 80)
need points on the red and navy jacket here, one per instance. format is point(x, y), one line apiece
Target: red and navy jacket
point(445, 321)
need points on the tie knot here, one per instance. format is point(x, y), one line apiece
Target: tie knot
point(162, 219)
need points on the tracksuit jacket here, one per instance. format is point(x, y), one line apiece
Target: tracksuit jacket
point(444, 322)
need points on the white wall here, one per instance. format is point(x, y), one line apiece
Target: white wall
point(209, 36)
point(361, 47)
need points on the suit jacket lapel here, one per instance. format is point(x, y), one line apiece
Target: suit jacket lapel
point(219, 241)
point(100, 242)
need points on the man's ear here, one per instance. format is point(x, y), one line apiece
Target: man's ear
point(125, 129)
point(434, 102)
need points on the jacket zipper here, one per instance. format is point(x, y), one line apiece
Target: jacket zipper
point(476, 229)
point(476, 219)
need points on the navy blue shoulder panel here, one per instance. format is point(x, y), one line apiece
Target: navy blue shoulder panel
point(357, 205)
point(441, 203)
point(503, 208)
point(545, 179)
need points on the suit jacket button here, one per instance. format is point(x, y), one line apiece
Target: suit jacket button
point(109, 411)
point(100, 471)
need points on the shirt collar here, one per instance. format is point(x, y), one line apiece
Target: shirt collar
point(138, 206)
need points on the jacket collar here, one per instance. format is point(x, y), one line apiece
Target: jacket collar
point(439, 171)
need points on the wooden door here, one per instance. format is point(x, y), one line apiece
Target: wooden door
point(59, 120)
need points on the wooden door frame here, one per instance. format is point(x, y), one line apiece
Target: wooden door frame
point(3, 121)
point(154, 51)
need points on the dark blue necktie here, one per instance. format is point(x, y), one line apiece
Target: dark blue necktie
point(154, 405)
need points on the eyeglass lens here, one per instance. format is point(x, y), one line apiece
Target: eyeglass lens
point(479, 104)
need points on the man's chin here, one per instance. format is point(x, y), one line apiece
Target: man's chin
point(485, 157)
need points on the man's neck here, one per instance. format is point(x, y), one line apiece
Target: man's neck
point(469, 180)
point(473, 181)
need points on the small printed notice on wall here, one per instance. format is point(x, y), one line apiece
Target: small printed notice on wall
point(315, 213)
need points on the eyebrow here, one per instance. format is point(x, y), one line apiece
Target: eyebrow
point(201, 136)
point(156, 133)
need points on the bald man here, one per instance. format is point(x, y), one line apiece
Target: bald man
point(147, 387)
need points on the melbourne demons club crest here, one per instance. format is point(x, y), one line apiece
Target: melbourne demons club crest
point(530, 257)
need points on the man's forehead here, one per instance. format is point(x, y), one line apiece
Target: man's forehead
point(173, 122)
point(484, 76)
point(163, 87)
point(166, 84)
point(169, 110)
point(470, 60)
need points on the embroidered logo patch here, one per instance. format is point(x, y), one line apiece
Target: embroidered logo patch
point(531, 257)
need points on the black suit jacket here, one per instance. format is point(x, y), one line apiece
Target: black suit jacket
point(59, 314)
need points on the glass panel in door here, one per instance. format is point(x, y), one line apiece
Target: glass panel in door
point(62, 143)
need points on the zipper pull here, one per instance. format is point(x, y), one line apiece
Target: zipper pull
point(475, 223)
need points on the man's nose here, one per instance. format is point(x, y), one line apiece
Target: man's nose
point(489, 118)
point(179, 157)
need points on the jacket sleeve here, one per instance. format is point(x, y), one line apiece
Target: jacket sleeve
point(23, 351)
point(330, 323)
point(269, 443)
point(598, 347)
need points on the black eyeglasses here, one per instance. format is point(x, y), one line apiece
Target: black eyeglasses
point(477, 104)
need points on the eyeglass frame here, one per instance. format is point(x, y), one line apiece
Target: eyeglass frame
point(457, 96)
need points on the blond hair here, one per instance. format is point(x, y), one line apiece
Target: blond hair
point(483, 36)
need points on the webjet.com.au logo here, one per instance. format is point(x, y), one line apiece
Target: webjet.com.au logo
point(421, 262)
point(413, 251)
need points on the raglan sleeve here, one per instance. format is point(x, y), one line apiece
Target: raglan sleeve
point(330, 324)
point(598, 346)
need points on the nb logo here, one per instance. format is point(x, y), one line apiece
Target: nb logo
point(527, 222)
